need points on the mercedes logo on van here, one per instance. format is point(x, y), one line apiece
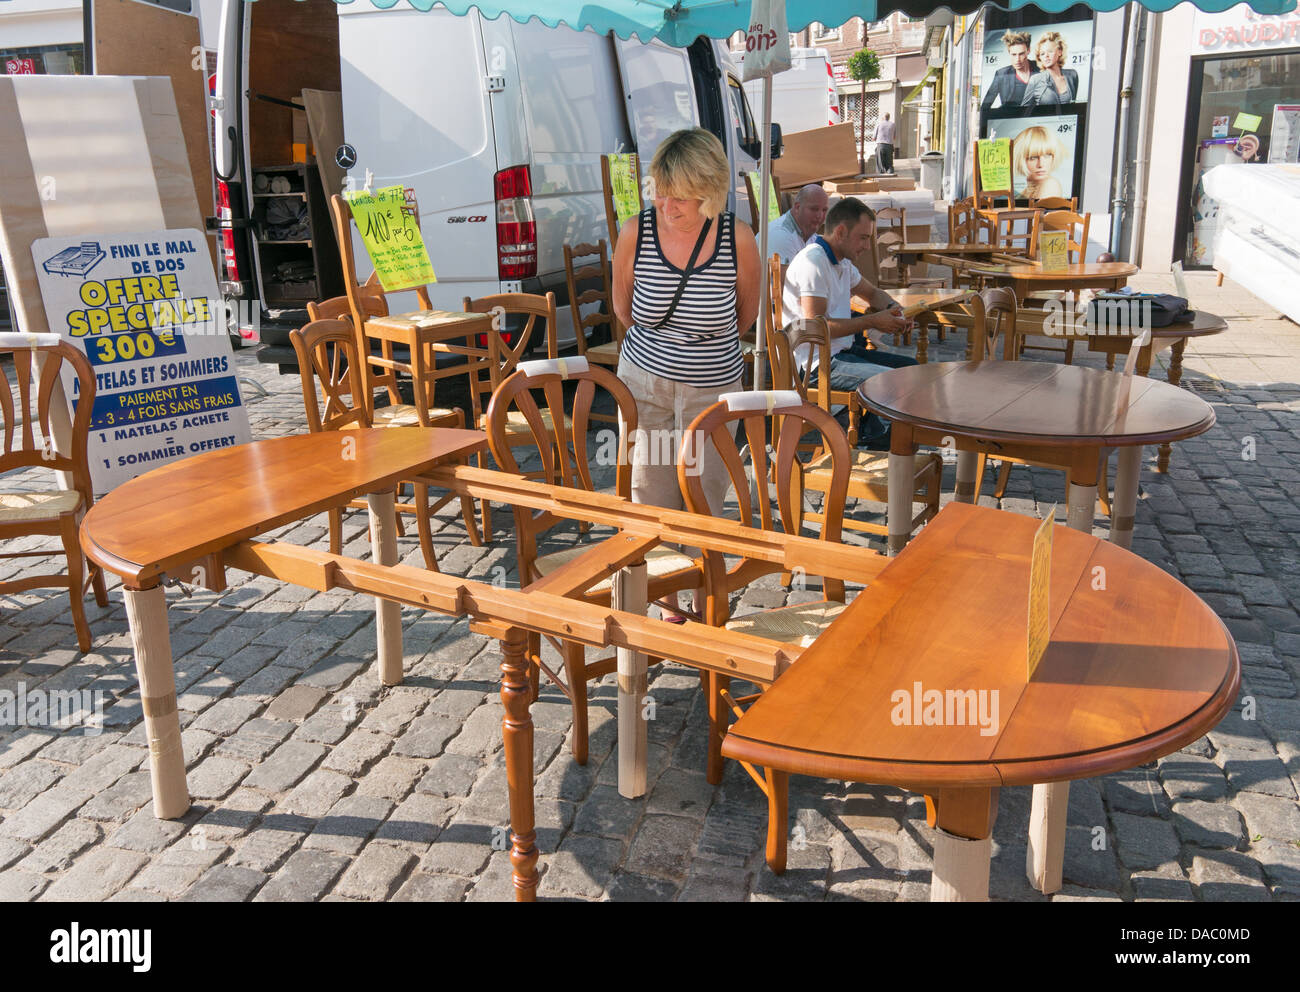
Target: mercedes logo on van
point(345, 157)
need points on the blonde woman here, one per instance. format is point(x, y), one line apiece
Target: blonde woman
point(1038, 153)
point(685, 282)
point(1053, 83)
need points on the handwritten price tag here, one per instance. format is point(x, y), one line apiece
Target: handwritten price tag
point(995, 164)
point(624, 187)
point(392, 238)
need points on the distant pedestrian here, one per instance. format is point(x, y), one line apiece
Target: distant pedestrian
point(885, 146)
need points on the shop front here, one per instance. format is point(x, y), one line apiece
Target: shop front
point(1243, 106)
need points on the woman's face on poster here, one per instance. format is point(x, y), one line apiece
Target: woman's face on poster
point(1049, 55)
point(1039, 167)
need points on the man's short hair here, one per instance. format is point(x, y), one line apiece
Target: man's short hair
point(1015, 38)
point(848, 211)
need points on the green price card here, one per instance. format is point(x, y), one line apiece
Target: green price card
point(624, 187)
point(995, 164)
point(773, 201)
point(392, 238)
point(1247, 122)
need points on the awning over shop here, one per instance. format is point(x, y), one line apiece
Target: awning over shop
point(682, 22)
point(931, 76)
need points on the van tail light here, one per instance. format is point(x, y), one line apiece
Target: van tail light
point(516, 229)
point(229, 264)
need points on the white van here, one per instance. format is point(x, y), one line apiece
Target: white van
point(498, 126)
point(804, 96)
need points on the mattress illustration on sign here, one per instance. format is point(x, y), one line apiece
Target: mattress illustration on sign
point(75, 261)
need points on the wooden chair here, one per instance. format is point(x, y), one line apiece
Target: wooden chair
point(777, 360)
point(799, 624)
point(506, 348)
point(53, 511)
point(1055, 203)
point(328, 358)
point(567, 463)
point(989, 201)
point(1016, 229)
point(1076, 228)
point(869, 470)
point(595, 272)
point(963, 223)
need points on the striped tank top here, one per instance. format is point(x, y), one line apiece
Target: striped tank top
point(699, 345)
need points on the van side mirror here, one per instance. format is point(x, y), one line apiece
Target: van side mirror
point(778, 145)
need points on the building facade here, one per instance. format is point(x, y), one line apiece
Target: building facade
point(41, 37)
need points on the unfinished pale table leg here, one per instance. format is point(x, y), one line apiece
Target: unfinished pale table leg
point(1082, 506)
point(388, 615)
point(146, 612)
point(629, 595)
point(963, 844)
point(1045, 857)
point(1124, 508)
point(902, 483)
point(966, 462)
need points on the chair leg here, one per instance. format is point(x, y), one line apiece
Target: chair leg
point(422, 525)
point(980, 461)
point(718, 719)
point(1004, 476)
point(1110, 362)
point(778, 818)
point(471, 523)
point(1069, 352)
point(76, 576)
point(336, 530)
point(575, 669)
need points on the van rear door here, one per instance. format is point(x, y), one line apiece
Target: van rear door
point(659, 91)
point(417, 111)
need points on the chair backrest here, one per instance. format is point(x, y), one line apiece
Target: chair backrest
point(775, 302)
point(569, 458)
point(327, 356)
point(23, 447)
point(1076, 226)
point(963, 225)
point(891, 223)
point(1055, 203)
point(993, 313)
point(716, 426)
point(1017, 229)
point(505, 355)
point(592, 268)
point(814, 333)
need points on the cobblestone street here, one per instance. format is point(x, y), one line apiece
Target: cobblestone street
point(310, 781)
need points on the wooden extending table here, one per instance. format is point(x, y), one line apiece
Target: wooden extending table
point(914, 303)
point(1135, 669)
point(1030, 277)
point(1059, 415)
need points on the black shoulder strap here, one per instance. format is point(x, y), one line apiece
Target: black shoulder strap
point(681, 286)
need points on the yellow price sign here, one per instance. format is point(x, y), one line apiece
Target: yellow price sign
point(624, 187)
point(1248, 122)
point(1054, 250)
point(392, 238)
point(773, 200)
point(995, 163)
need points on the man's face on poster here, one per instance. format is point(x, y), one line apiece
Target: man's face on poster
point(1019, 57)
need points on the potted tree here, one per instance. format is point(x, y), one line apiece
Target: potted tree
point(864, 65)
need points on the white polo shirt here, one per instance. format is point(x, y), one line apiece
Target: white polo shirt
point(813, 273)
point(785, 238)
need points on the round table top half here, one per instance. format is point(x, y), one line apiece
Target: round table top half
point(1037, 402)
point(176, 514)
point(1075, 270)
point(923, 681)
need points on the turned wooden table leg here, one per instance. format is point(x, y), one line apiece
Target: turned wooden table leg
point(922, 330)
point(146, 612)
point(902, 483)
point(388, 615)
point(1175, 377)
point(517, 731)
point(963, 845)
point(1124, 507)
point(629, 594)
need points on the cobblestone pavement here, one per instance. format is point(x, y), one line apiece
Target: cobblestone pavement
point(312, 782)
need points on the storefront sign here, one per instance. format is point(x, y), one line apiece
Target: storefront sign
point(392, 238)
point(20, 67)
point(145, 310)
point(1241, 29)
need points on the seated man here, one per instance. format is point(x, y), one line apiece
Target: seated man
point(787, 235)
point(821, 281)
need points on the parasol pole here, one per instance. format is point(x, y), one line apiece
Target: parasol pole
point(765, 177)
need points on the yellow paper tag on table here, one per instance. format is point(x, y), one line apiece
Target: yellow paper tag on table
point(392, 238)
point(623, 186)
point(773, 201)
point(1040, 587)
point(1054, 250)
point(1248, 122)
point(995, 163)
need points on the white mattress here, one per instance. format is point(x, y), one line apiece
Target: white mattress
point(1257, 242)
